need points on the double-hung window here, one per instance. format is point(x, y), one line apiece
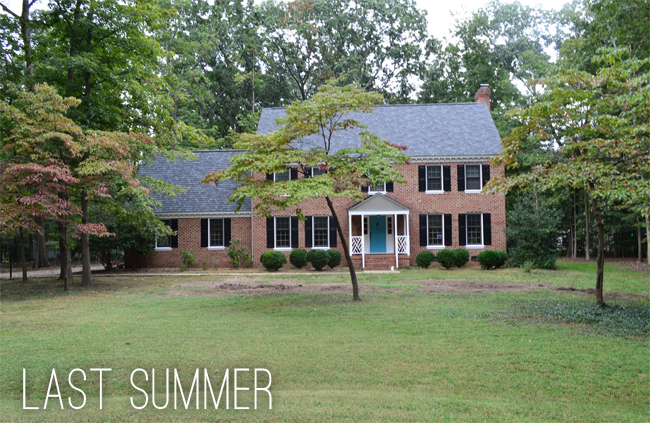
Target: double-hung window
point(435, 231)
point(282, 176)
point(434, 178)
point(474, 229)
point(315, 171)
point(216, 231)
point(473, 178)
point(282, 232)
point(321, 232)
point(380, 187)
point(164, 242)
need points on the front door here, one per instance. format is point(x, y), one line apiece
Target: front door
point(377, 234)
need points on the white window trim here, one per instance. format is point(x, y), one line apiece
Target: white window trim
point(313, 238)
point(373, 192)
point(275, 234)
point(157, 248)
point(223, 229)
point(288, 171)
point(426, 181)
point(437, 247)
point(480, 177)
point(474, 246)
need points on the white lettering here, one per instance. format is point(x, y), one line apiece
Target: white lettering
point(239, 389)
point(77, 389)
point(146, 397)
point(100, 384)
point(195, 383)
point(58, 391)
point(25, 394)
point(263, 389)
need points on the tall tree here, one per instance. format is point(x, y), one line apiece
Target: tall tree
point(348, 169)
point(596, 130)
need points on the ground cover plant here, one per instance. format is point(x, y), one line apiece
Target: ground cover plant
point(401, 354)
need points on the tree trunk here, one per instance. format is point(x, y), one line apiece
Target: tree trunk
point(346, 250)
point(600, 260)
point(647, 237)
point(574, 248)
point(23, 262)
point(639, 243)
point(587, 223)
point(41, 259)
point(85, 244)
point(64, 252)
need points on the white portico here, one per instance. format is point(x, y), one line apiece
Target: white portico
point(379, 225)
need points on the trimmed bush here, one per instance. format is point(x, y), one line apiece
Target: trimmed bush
point(188, 259)
point(492, 259)
point(298, 258)
point(273, 260)
point(446, 258)
point(318, 258)
point(462, 257)
point(335, 258)
point(424, 259)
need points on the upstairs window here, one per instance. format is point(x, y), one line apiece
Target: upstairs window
point(315, 171)
point(283, 176)
point(473, 177)
point(434, 178)
point(379, 187)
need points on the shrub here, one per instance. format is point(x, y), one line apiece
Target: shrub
point(238, 256)
point(187, 259)
point(318, 258)
point(273, 260)
point(446, 258)
point(424, 259)
point(492, 259)
point(335, 258)
point(298, 258)
point(462, 257)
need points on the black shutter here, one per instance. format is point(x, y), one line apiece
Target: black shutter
point(446, 178)
point(423, 230)
point(204, 233)
point(308, 231)
point(487, 229)
point(447, 224)
point(270, 232)
point(294, 231)
point(269, 176)
point(174, 239)
point(227, 231)
point(308, 171)
point(364, 189)
point(389, 187)
point(332, 232)
point(486, 173)
point(422, 178)
point(293, 173)
point(462, 234)
point(461, 178)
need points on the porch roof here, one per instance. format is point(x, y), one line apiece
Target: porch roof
point(378, 203)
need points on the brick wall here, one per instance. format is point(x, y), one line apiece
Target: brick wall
point(189, 238)
point(453, 202)
point(408, 194)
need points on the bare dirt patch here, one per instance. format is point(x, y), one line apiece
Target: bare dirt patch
point(608, 294)
point(234, 286)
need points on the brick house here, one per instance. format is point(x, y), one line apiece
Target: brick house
point(440, 206)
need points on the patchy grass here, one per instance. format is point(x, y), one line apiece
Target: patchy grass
point(400, 356)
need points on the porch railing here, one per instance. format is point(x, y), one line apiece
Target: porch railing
point(403, 244)
point(356, 245)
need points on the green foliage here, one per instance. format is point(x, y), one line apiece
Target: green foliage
point(237, 255)
point(273, 260)
point(188, 259)
point(528, 266)
point(318, 258)
point(298, 258)
point(532, 231)
point(462, 257)
point(446, 258)
point(424, 259)
point(335, 258)
point(492, 259)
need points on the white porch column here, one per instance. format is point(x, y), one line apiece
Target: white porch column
point(363, 244)
point(396, 245)
point(408, 234)
point(350, 232)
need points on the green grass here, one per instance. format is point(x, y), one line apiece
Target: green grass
point(400, 356)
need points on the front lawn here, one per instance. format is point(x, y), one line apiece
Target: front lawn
point(399, 355)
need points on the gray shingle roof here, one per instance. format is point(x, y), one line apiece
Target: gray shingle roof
point(199, 198)
point(461, 129)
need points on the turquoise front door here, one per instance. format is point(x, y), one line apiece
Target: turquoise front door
point(377, 234)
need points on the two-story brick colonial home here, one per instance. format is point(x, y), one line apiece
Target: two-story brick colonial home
point(442, 204)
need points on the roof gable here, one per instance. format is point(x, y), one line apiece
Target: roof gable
point(378, 203)
point(438, 130)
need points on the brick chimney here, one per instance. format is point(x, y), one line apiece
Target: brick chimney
point(483, 95)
